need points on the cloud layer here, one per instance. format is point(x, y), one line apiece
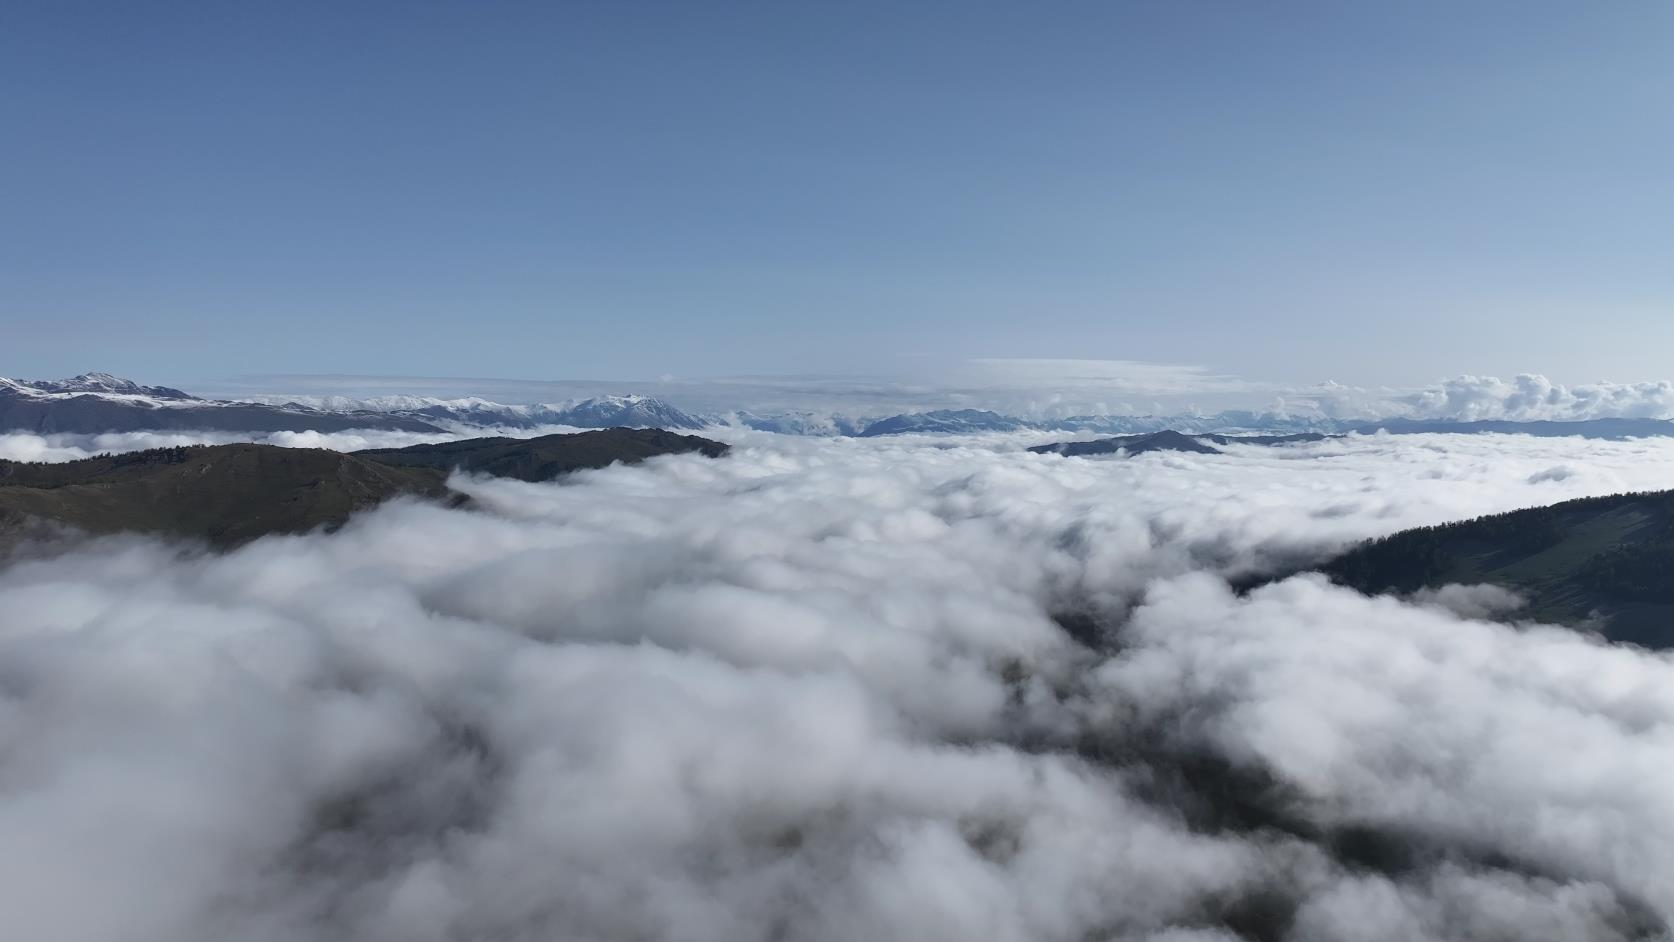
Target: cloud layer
point(828, 690)
point(1527, 397)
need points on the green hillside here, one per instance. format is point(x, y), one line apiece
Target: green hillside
point(229, 494)
point(546, 457)
point(1603, 562)
point(225, 494)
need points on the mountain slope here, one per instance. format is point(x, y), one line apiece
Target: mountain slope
point(1607, 562)
point(546, 457)
point(228, 494)
point(225, 494)
point(944, 421)
point(99, 383)
point(627, 412)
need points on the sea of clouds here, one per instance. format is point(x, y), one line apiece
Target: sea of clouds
point(909, 689)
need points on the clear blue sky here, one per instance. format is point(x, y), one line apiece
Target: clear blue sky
point(1372, 192)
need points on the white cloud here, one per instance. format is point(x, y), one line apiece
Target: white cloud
point(814, 691)
point(1526, 397)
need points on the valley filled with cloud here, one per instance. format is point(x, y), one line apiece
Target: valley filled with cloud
point(830, 689)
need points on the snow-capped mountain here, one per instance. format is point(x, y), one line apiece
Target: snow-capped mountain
point(469, 411)
point(94, 403)
point(945, 421)
point(599, 412)
point(99, 383)
point(629, 411)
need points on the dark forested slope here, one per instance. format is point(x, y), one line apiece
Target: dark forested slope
point(1607, 562)
point(546, 457)
point(228, 494)
point(225, 494)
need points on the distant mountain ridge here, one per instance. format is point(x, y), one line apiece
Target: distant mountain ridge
point(96, 383)
point(96, 403)
point(597, 412)
point(93, 403)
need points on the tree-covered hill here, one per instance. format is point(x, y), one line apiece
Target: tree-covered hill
point(229, 494)
point(546, 457)
point(1602, 562)
point(225, 494)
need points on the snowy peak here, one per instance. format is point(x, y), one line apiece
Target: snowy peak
point(99, 383)
point(631, 411)
point(945, 421)
point(96, 382)
point(599, 412)
point(95, 403)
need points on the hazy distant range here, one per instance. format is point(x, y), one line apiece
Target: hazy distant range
point(94, 403)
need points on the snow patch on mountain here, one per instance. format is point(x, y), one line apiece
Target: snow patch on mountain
point(632, 411)
point(101, 383)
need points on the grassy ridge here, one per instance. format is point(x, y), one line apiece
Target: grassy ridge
point(1603, 561)
point(225, 494)
point(229, 494)
point(546, 457)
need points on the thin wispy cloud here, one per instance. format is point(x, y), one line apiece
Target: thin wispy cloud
point(1129, 377)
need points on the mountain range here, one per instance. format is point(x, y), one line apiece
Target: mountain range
point(599, 412)
point(94, 403)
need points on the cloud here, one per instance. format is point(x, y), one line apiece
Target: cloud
point(823, 690)
point(1443, 736)
point(1121, 377)
point(1526, 397)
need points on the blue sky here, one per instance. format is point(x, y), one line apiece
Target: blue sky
point(1284, 192)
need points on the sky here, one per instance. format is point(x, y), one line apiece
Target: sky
point(1287, 193)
